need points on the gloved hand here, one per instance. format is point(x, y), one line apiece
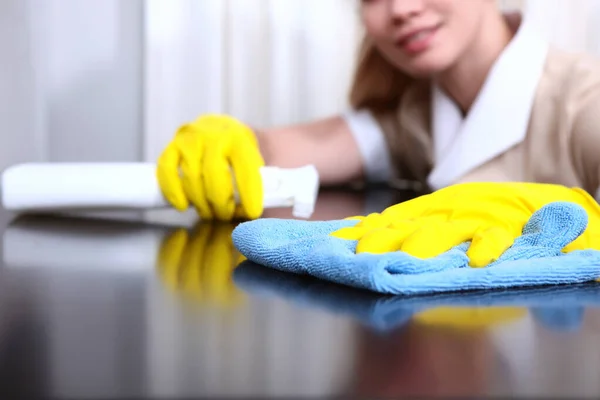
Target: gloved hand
point(489, 215)
point(196, 167)
point(199, 264)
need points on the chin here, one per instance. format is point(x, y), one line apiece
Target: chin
point(424, 68)
point(424, 65)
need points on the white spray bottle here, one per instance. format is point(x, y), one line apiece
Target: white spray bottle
point(34, 187)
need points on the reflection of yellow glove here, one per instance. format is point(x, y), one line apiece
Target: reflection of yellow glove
point(470, 318)
point(196, 167)
point(490, 215)
point(200, 264)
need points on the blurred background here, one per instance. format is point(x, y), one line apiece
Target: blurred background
point(111, 80)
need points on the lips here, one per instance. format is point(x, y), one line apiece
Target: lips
point(416, 36)
point(417, 40)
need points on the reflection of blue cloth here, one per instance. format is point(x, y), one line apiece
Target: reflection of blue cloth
point(373, 309)
point(559, 318)
point(305, 247)
point(556, 307)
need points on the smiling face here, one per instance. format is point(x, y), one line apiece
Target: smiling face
point(424, 37)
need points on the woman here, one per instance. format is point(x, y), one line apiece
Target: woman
point(444, 92)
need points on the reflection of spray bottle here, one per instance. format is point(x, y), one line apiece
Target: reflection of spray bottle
point(101, 186)
point(196, 264)
point(77, 244)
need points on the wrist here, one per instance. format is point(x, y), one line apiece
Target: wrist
point(262, 140)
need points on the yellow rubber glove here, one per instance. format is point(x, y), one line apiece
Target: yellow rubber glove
point(197, 167)
point(199, 264)
point(490, 215)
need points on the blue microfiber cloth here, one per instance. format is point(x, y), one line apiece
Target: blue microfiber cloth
point(536, 257)
point(558, 307)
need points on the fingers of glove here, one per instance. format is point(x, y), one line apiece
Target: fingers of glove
point(240, 149)
point(589, 240)
point(374, 221)
point(420, 221)
point(436, 238)
point(191, 149)
point(580, 243)
point(246, 162)
point(212, 122)
point(385, 240)
point(350, 233)
point(409, 209)
point(355, 218)
point(365, 224)
point(488, 245)
point(218, 181)
point(167, 174)
point(507, 216)
point(589, 203)
point(239, 212)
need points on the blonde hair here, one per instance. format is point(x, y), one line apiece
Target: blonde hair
point(376, 83)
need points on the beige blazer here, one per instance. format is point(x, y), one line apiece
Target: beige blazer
point(537, 119)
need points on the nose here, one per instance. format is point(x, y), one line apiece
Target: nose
point(401, 10)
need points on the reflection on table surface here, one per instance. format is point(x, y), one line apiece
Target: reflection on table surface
point(103, 308)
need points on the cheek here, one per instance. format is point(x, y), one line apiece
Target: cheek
point(459, 29)
point(465, 21)
point(461, 20)
point(374, 22)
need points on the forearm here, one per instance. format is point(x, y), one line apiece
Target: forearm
point(328, 144)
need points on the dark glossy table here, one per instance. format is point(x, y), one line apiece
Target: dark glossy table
point(147, 306)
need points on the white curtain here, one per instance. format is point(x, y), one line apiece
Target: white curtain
point(109, 80)
point(70, 80)
point(569, 24)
